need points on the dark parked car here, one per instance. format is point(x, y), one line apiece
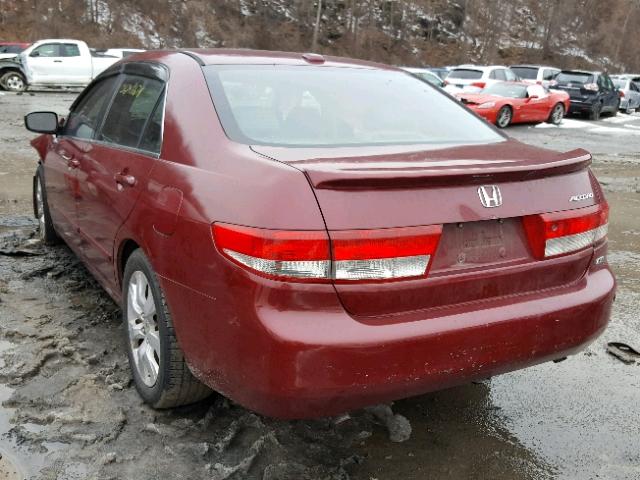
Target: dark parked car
point(592, 93)
point(274, 231)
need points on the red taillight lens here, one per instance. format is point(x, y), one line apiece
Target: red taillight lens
point(386, 254)
point(560, 233)
point(479, 84)
point(621, 93)
point(358, 255)
point(277, 253)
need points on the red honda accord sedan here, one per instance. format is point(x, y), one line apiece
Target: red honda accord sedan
point(308, 235)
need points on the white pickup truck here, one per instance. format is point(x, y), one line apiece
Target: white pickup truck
point(53, 63)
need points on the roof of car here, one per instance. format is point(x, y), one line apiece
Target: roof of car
point(226, 56)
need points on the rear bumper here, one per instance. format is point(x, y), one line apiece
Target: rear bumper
point(320, 361)
point(579, 106)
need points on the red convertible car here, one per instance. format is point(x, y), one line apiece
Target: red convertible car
point(274, 232)
point(505, 103)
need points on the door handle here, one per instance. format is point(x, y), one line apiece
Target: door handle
point(124, 179)
point(65, 156)
point(73, 163)
point(57, 61)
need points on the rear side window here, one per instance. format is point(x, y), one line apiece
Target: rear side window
point(47, 50)
point(85, 118)
point(465, 74)
point(526, 73)
point(132, 108)
point(511, 77)
point(70, 50)
point(549, 74)
point(500, 74)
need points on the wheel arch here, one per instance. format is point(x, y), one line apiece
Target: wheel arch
point(126, 248)
point(4, 70)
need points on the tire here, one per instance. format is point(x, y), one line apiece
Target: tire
point(13, 82)
point(596, 110)
point(46, 230)
point(504, 117)
point(160, 372)
point(557, 114)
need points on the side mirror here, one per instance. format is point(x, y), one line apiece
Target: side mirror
point(532, 97)
point(35, 53)
point(41, 122)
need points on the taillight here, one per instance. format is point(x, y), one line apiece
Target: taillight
point(591, 86)
point(302, 255)
point(479, 84)
point(343, 256)
point(385, 254)
point(560, 233)
point(621, 93)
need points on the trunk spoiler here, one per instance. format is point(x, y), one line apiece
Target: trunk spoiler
point(347, 179)
point(399, 167)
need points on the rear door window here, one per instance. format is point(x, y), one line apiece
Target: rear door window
point(85, 118)
point(511, 77)
point(70, 50)
point(549, 74)
point(132, 108)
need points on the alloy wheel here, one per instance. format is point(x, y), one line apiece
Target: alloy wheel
point(142, 323)
point(558, 113)
point(504, 117)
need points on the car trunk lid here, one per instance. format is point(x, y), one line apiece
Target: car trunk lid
point(483, 252)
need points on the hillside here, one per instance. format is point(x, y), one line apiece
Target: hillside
point(570, 33)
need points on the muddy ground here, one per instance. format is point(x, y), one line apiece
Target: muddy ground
point(69, 410)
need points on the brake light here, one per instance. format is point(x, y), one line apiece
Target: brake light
point(479, 84)
point(343, 256)
point(385, 254)
point(621, 93)
point(560, 233)
point(591, 86)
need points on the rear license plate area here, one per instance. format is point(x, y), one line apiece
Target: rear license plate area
point(473, 244)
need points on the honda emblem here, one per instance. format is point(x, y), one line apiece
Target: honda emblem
point(490, 196)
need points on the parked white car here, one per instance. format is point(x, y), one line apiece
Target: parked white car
point(53, 63)
point(474, 78)
point(540, 74)
point(629, 88)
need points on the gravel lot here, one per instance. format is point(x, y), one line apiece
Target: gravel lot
point(69, 411)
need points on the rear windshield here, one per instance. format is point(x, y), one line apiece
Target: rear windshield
point(510, 90)
point(465, 74)
point(306, 106)
point(526, 73)
point(574, 77)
